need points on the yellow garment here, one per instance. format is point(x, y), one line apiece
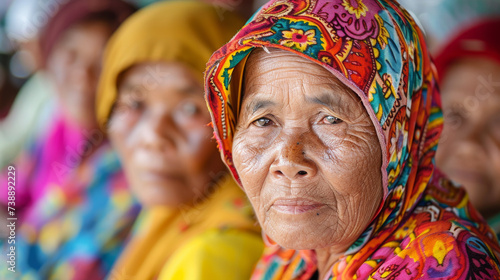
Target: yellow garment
point(215, 239)
point(173, 31)
point(229, 254)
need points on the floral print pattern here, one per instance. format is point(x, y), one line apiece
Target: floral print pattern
point(359, 9)
point(298, 39)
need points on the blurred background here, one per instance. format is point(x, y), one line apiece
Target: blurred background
point(442, 19)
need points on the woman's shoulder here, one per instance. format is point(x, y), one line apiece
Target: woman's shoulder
point(442, 237)
point(445, 248)
point(215, 254)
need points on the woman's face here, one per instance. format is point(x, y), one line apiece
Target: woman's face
point(159, 128)
point(469, 150)
point(74, 66)
point(307, 153)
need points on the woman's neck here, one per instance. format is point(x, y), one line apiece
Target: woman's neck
point(326, 257)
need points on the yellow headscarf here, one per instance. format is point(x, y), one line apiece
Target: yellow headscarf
point(173, 31)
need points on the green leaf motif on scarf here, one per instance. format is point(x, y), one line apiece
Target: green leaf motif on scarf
point(235, 60)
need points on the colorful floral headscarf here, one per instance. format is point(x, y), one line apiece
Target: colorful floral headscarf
point(426, 227)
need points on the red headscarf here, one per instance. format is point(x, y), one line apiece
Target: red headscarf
point(479, 40)
point(75, 11)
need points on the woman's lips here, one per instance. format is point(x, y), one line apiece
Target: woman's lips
point(295, 206)
point(156, 175)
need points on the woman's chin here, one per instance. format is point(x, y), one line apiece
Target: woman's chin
point(154, 196)
point(291, 241)
point(304, 232)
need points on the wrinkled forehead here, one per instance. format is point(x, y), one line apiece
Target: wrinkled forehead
point(278, 63)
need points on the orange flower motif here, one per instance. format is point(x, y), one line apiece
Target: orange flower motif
point(298, 38)
point(359, 10)
point(407, 229)
point(439, 247)
point(327, 60)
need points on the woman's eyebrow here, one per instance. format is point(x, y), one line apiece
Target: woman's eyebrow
point(127, 88)
point(258, 104)
point(326, 100)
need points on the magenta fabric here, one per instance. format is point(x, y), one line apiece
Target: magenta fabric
point(47, 161)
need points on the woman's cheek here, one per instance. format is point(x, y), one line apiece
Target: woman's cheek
point(120, 127)
point(122, 121)
point(199, 148)
point(330, 136)
point(249, 156)
point(345, 155)
point(362, 155)
point(252, 170)
point(195, 131)
point(330, 145)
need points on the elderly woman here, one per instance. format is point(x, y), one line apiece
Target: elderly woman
point(196, 220)
point(328, 115)
point(469, 150)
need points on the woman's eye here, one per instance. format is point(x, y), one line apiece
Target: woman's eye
point(332, 120)
point(190, 109)
point(262, 122)
point(135, 105)
point(128, 107)
point(453, 119)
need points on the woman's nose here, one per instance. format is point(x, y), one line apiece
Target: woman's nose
point(159, 131)
point(84, 75)
point(292, 162)
point(471, 140)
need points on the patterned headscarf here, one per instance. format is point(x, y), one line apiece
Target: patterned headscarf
point(426, 227)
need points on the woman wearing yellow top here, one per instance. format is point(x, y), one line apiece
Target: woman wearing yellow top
point(196, 221)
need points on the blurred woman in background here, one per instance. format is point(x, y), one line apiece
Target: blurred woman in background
point(76, 207)
point(469, 151)
point(196, 222)
point(34, 101)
